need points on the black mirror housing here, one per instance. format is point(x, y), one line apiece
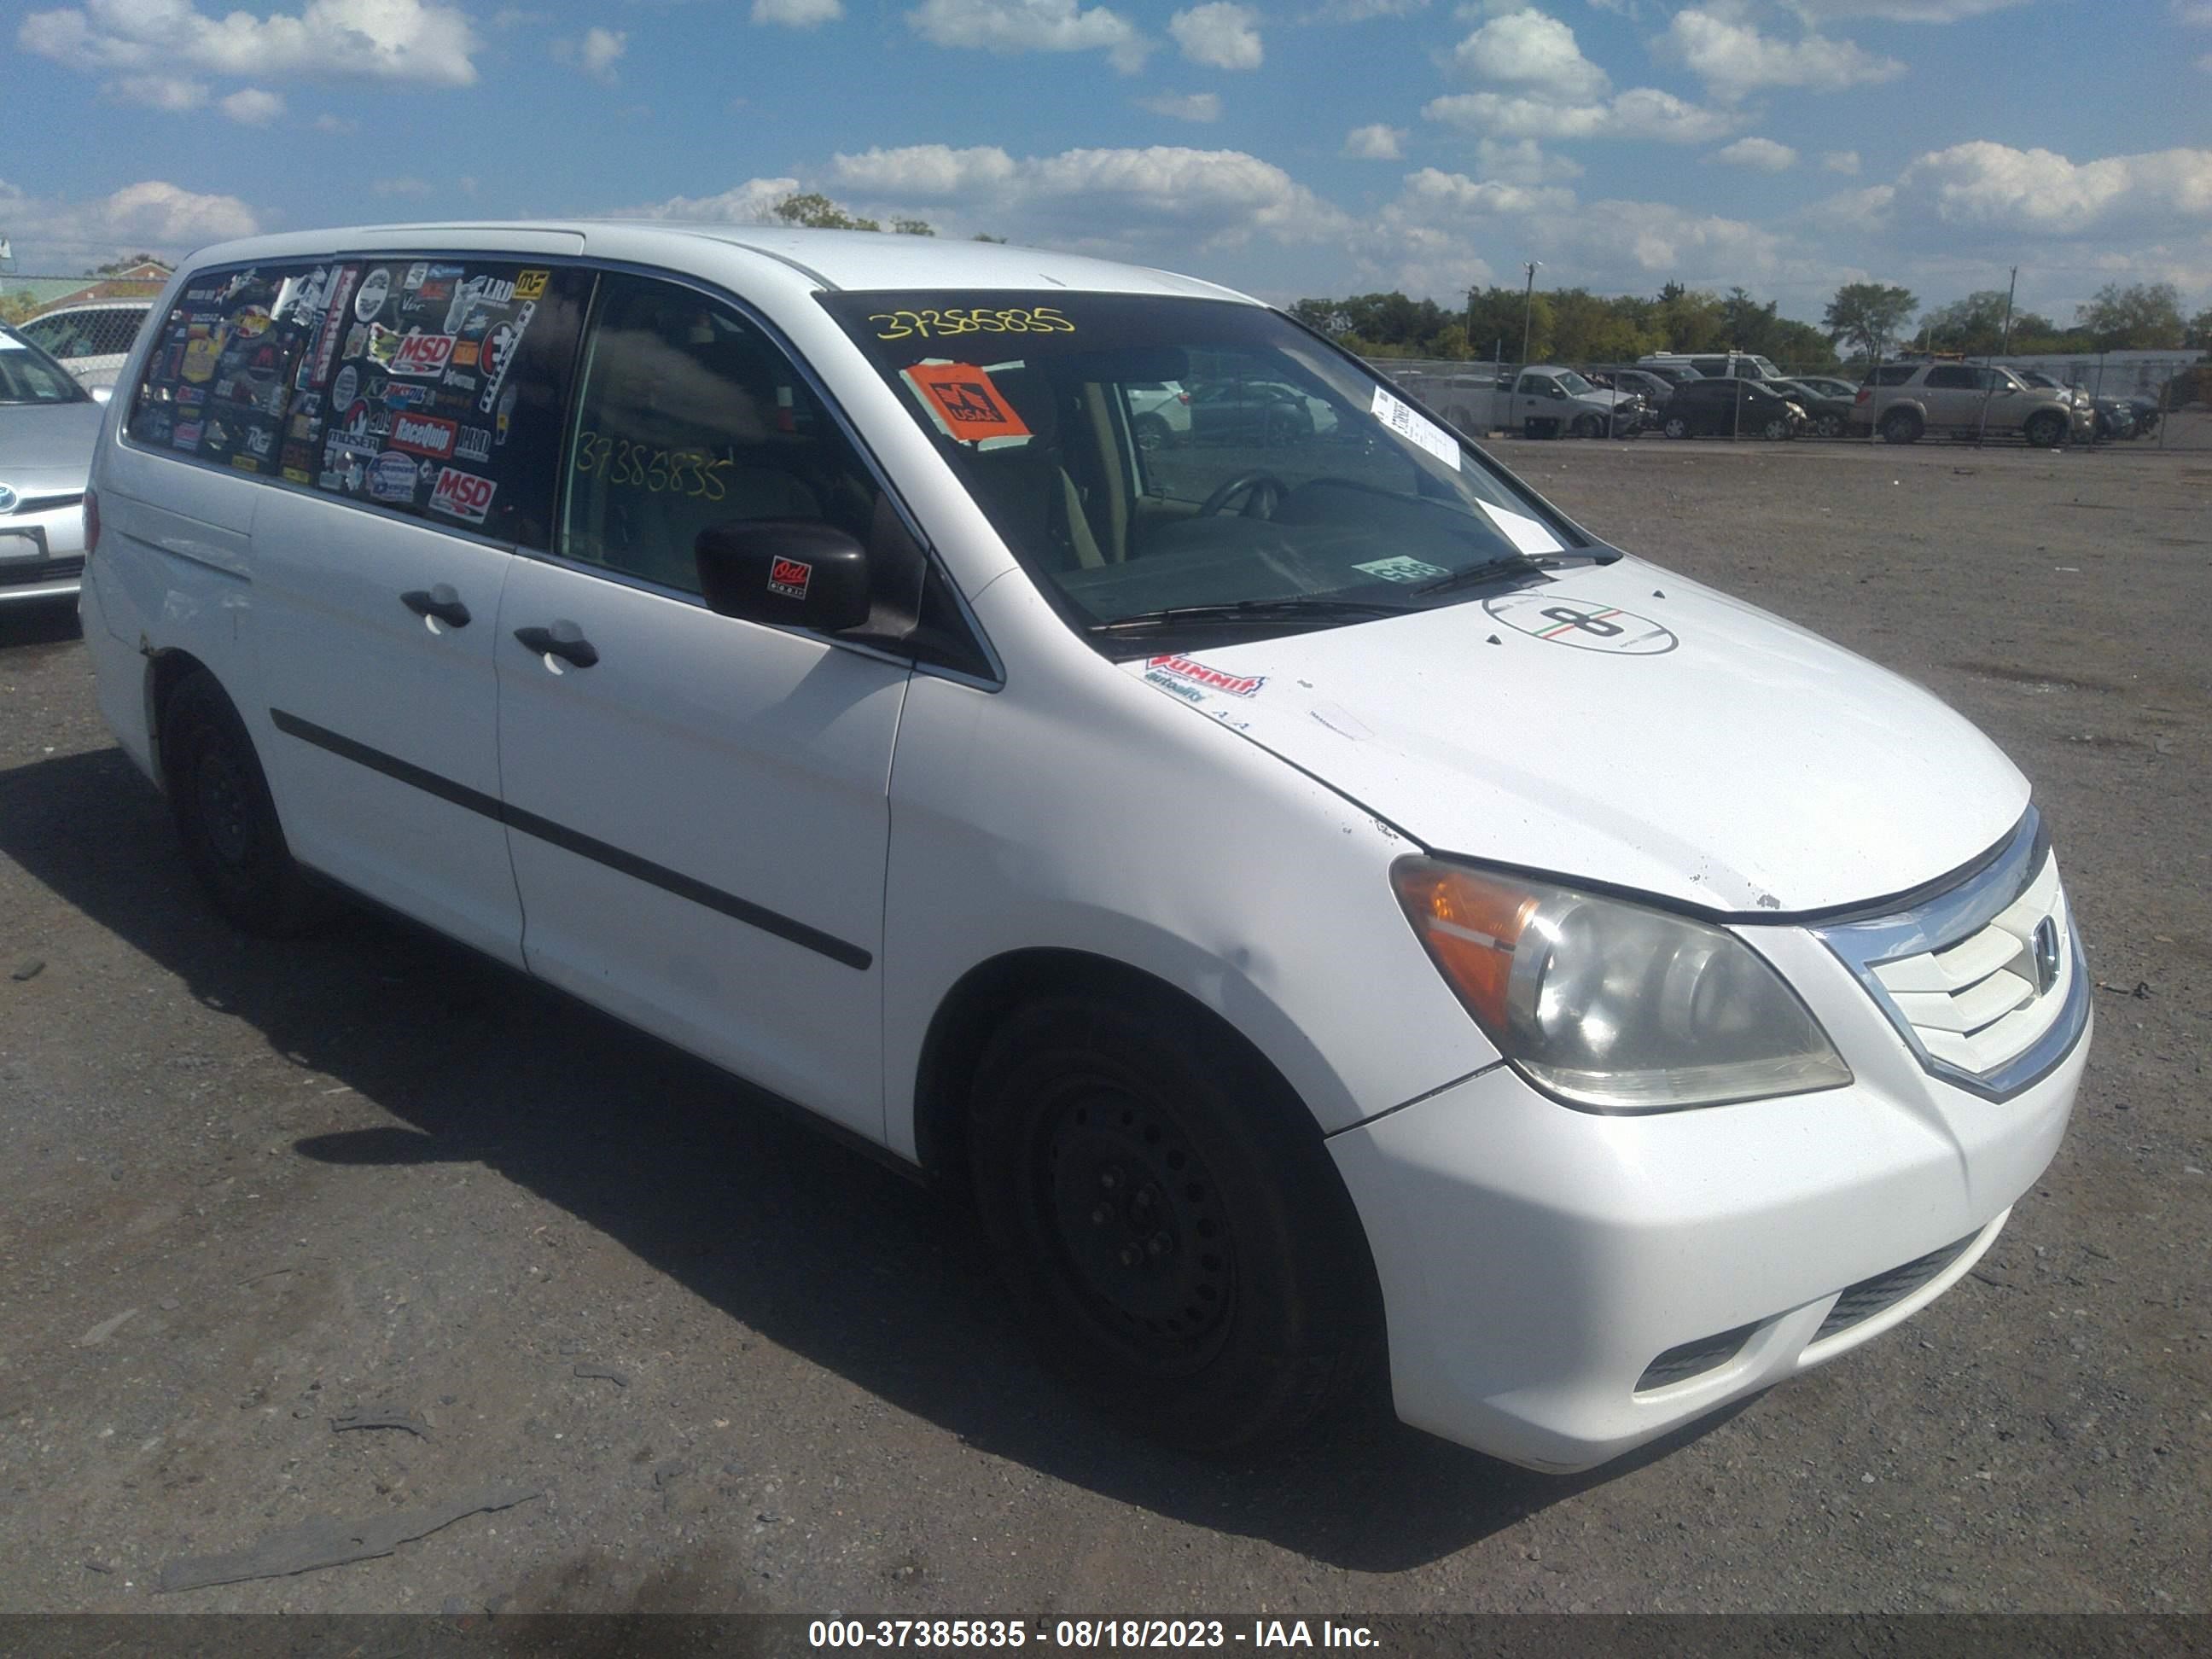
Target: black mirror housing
point(789, 573)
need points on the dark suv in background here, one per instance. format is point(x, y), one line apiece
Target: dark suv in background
point(1730, 408)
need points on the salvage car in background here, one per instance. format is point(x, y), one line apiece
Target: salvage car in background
point(1903, 401)
point(1728, 408)
point(48, 426)
point(1828, 414)
point(90, 340)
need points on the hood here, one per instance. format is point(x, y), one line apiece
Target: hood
point(1621, 724)
point(47, 448)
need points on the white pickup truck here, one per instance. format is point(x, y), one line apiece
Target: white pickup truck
point(1540, 401)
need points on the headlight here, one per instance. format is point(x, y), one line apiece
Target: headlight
point(1609, 1006)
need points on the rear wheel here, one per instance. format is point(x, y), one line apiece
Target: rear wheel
point(2046, 430)
point(219, 798)
point(1675, 427)
point(1828, 426)
point(1152, 432)
point(1775, 430)
point(1168, 1222)
point(1901, 426)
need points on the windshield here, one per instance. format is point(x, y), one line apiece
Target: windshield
point(27, 375)
point(1574, 383)
point(1143, 454)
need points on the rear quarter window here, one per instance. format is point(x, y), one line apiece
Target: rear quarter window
point(428, 386)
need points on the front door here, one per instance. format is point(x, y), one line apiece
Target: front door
point(696, 807)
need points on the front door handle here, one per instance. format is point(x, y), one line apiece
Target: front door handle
point(563, 640)
point(440, 602)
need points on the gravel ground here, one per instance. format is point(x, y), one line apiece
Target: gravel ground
point(253, 1189)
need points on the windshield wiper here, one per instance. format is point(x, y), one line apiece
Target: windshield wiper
point(1514, 564)
point(1249, 610)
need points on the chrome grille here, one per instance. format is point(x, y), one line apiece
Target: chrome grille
point(1986, 981)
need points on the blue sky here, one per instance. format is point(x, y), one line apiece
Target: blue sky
point(1305, 147)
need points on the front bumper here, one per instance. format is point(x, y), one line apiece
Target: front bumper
point(1545, 1270)
point(42, 554)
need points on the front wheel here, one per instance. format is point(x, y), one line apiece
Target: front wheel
point(2046, 431)
point(1589, 425)
point(1900, 426)
point(1828, 426)
point(1168, 1222)
point(1676, 427)
point(1153, 434)
point(219, 798)
point(1775, 430)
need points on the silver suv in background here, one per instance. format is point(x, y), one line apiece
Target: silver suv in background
point(1903, 401)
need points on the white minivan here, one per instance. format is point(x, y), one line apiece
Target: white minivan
point(1321, 901)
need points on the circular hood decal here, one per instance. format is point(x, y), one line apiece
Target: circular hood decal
point(1543, 614)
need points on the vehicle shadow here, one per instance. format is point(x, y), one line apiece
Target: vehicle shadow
point(814, 1246)
point(48, 623)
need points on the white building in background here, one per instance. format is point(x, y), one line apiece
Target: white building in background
point(2108, 374)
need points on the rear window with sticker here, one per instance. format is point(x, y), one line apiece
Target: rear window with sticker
point(428, 385)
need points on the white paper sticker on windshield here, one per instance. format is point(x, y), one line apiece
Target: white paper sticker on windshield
point(9, 342)
point(1415, 428)
point(1527, 534)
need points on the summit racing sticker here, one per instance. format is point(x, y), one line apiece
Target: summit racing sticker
point(1588, 626)
point(1175, 673)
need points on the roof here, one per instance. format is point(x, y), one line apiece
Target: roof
point(831, 258)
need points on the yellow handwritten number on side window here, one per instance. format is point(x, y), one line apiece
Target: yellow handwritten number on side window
point(657, 472)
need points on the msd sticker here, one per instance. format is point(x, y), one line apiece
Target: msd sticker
point(1583, 623)
point(463, 496)
point(964, 403)
point(1185, 671)
point(790, 577)
point(422, 355)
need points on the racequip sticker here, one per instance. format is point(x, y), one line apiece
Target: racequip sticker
point(375, 289)
point(462, 495)
point(423, 435)
point(966, 406)
point(1585, 624)
point(1199, 675)
point(790, 577)
point(422, 356)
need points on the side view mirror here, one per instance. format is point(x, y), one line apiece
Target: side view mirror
point(791, 572)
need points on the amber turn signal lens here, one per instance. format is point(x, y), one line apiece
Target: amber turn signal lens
point(1470, 924)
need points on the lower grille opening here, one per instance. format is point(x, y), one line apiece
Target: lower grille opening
point(1694, 1358)
point(1862, 1301)
point(21, 576)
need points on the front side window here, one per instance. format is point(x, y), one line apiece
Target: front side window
point(691, 416)
point(1293, 476)
point(1950, 378)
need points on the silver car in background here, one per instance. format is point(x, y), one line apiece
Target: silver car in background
point(48, 425)
point(90, 340)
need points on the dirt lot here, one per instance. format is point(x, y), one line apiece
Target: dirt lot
point(253, 1189)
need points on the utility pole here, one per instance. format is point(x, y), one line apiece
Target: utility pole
point(1527, 307)
point(2004, 349)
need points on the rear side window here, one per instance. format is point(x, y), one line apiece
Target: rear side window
point(431, 387)
point(1890, 374)
point(1948, 378)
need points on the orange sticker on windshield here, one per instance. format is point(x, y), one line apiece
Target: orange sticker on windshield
point(963, 396)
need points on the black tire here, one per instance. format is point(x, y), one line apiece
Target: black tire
point(219, 799)
point(1675, 427)
point(2045, 430)
point(1775, 430)
point(1152, 432)
point(1589, 425)
point(1901, 426)
point(1828, 426)
point(1168, 1222)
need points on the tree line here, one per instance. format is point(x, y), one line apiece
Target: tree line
point(1863, 320)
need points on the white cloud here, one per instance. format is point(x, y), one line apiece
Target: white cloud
point(407, 186)
point(747, 204)
point(250, 106)
point(1523, 161)
point(1529, 49)
point(379, 40)
point(1158, 202)
point(1640, 112)
point(1431, 189)
point(152, 215)
point(162, 92)
point(1375, 144)
point(329, 123)
point(2196, 12)
point(797, 13)
point(1762, 155)
point(1904, 11)
point(1015, 25)
point(601, 50)
point(1221, 35)
point(1361, 11)
point(1861, 212)
point(1184, 106)
point(1841, 161)
point(1732, 57)
point(1989, 187)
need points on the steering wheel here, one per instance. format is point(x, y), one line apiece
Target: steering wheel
point(1257, 486)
